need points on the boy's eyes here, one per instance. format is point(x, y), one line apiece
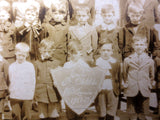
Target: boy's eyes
point(106, 50)
point(58, 11)
point(107, 15)
point(62, 12)
point(135, 15)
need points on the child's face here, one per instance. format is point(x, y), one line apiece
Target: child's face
point(30, 16)
point(82, 17)
point(139, 47)
point(59, 14)
point(4, 16)
point(106, 51)
point(135, 17)
point(21, 56)
point(45, 53)
point(108, 18)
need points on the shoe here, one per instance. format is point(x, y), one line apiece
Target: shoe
point(101, 118)
point(109, 117)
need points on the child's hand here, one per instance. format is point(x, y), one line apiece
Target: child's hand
point(35, 105)
point(125, 85)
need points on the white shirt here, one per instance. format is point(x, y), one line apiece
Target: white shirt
point(106, 66)
point(22, 81)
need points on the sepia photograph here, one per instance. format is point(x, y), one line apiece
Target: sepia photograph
point(80, 59)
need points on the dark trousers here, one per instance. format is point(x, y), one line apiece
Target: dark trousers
point(138, 106)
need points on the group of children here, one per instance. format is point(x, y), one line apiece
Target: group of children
point(129, 56)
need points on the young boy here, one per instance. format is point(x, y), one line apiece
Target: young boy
point(7, 32)
point(138, 79)
point(3, 79)
point(135, 26)
point(22, 82)
point(108, 32)
point(82, 40)
point(150, 8)
point(55, 29)
point(46, 94)
point(29, 32)
point(156, 55)
point(108, 96)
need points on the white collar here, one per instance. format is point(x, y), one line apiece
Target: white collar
point(108, 27)
point(110, 60)
point(141, 55)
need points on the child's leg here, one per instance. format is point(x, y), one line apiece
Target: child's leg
point(112, 104)
point(131, 108)
point(27, 104)
point(16, 109)
point(54, 110)
point(102, 105)
point(144, 106)
point(42, 108)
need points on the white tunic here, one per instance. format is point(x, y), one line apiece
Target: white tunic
point(106, 66)
point(22, 80)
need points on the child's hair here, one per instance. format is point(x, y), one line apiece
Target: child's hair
point(84, 9)
point(22, 47)
point(140, 37)
point(46, 44)
point(133, 7)
point(60, 5)
point(4, 6)
point(33, 6)
point(107, 8)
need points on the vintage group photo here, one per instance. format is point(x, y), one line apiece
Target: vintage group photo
point(79, 59)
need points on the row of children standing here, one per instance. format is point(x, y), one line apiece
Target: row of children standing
point(55, 42)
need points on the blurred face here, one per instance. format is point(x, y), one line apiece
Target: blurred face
point(59, 14)
point(30, 16)
point(4, 16)
point(139, 47)
point(135, 17)
point(106, 51)
point(45, 53)
point(108, 18)
point(21, 56)
point(82, 17)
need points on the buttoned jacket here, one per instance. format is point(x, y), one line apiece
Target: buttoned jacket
point(45, 90)
point(138, 73)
